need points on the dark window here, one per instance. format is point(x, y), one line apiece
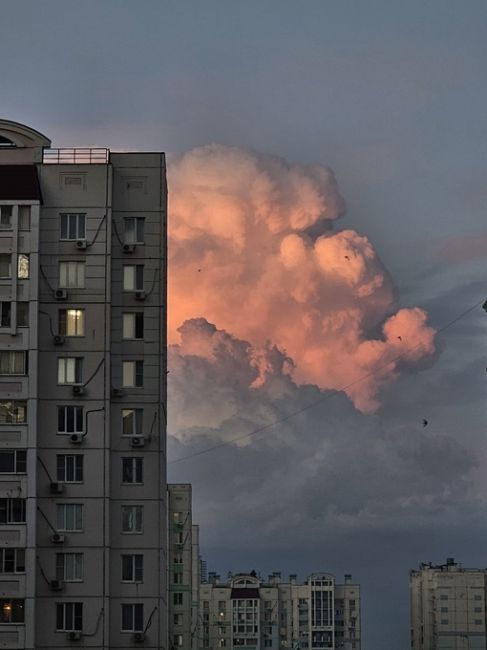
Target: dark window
point(132, 470)
point(12, 560)
point(134, 230)
point(22, 314)
point(70, 419)
point(5, 313)
point(133, 618)
point(73, 226)
point(70, 468)
point(12, 511)
point(132, 568)
point(69, 617)
point(13, 461)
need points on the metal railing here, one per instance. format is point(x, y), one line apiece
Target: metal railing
point(76, 156)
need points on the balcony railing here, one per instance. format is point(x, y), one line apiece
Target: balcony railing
point(76, 156)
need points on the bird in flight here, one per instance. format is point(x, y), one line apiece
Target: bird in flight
point(425, 422)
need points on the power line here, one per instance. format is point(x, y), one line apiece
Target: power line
point(226, 443)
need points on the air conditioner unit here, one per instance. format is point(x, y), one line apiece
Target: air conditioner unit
point(57, 339)
point(56, 585)
point(137, 441)
point(117, 392)
point(139, 637)
point(78, 390)
point(57, 488)
point(76, 438)
point(74, 636)
point(81, 244)
point(61, 294)
point(128, 248)
point(57, 538)
point(140, 295)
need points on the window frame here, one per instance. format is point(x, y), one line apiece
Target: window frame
point(78, 371)
point(137, 373)
point(137, 612)
point(136, 570)
point(16, 462)
point(132, 236)
point(136, 282)
point(76, 616)
point(67, 282)
point(68, 217)
point(12, 356)
point(15, 408)
point(64, 322)
point(138, 518)
point(136, 327)
point(137, 469)
point(138, 421)
point(3, 258)
point(77, 516)
point(15, 560)
point(63, 471)
point(63, 571)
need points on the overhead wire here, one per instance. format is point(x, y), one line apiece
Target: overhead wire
point(326, 397)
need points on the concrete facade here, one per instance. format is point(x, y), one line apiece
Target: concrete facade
point(448, 607)
point(84, 303)
point(248, 613)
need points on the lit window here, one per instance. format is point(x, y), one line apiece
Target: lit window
point(132, 519)
point(133, 277)
point(69, 468)
point(69, 567)
point(6, 217)
point(69, 517)
point(133, 325)
point(23, 266)
point(132, 470)
point(132, 422)
point(13, 461)
point(69, 370)
point(69, 617)
point(13, 363)
point(13, 412)
point(134, 230)
point(133, 618)
point(5, 266)
point(132, 568)
point(70, 419)
point(72, 322)
point(71, 275)
point(11, 610)
point(132, 374)
point(72, 227)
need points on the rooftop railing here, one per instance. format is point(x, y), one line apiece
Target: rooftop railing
point(76, 156)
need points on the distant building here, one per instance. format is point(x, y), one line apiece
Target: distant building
point(249, 613)
point(448, 607)
point(184, 572)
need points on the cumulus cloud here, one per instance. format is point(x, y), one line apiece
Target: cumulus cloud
point(252, 249)
point(331, 468)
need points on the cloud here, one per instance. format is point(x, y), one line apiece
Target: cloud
point(252, 248)
point(330, 469)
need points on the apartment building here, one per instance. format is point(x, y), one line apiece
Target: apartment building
point(183, 567)
point(246, 612)
point(82, 396)
point(448, 607)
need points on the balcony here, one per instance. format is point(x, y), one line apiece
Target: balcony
point(76, 156)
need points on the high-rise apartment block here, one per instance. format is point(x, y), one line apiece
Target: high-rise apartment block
point(248, 613)
point(448, 607)
point(82, 396)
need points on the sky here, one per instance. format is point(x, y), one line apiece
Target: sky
point(327, 192)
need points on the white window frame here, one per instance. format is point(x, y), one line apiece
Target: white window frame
point(136, 233)
point(63, 517)
point(15, 362)
point(73, 225)
point(72, 274)
point(68, 465)
point(137, 465)
point(71, 322)
point(69, 567)
point(135, 523)
point(136, 561)
point(69, 371)
point(129, 325)
point(137, 415)
point(69, 616)
point(136, 626)
point(132, 377)
point(133, 279)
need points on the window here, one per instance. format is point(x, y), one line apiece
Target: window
point(69, 370)
point(5, 313)
point(11, 610)
point(177, 598)
point(22, 314)
point(6, 217)
point(177, 640)
point(13, 412)
point(69, 567)
point(132, 422)
point(24, 217)
point(12, 511)
point(12, 560)
point(69, 617)
point(70, 419)
point(132, 519)
point(133, 277)
point(177, 578)
point(132, 374)
point(133, 325)
point(477, 610)
point(132, 568)
point(73, 226)
point(222, 643)
point(5, 265)
point(69, 517)
point(443, 597)
point(133, 618)
point(178, 558)
point(69, 468)
point(132, 470)
point(13, 461)
point(13, 363)
point(178, 619)
point(133, 230)
point(23, 266)
point(477, 597)
point(71, 322)
point(72, 275)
